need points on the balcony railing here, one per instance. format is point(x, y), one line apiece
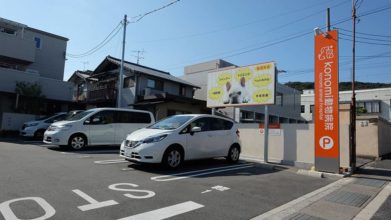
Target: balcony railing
point(17, 48)
point(102, 94)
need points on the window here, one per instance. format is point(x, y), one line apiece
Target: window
point(247, 115)
point(302, 108)
point(7, 30)
point(312, 108)
point(132, 117)
point(128, 82)
point(182, 90)
point(220, 124)
point(203, 123)
point(368, 107)
point(38, 43)
point(103, 117)
point(279, 99)
point(141, 117)
point(155, 84)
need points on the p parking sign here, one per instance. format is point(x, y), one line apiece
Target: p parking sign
point(326, 115)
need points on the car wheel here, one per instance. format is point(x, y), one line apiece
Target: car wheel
point(77, 142)
point(173, 158)
point(233, 154)
point(39, 133)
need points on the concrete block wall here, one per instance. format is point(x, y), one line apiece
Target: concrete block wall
point(294, 145)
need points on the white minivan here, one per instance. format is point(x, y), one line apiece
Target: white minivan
point(98, 126)
point(183, 137)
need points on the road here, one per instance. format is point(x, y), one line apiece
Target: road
point(43, 181)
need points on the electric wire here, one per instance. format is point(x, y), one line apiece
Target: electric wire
point(98, 46)
point(365, 38)
point(362, 33)
point(116, 30)
point(141, 16)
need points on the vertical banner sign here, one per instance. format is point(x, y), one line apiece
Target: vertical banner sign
point(326, 116)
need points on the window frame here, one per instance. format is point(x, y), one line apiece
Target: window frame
point(157, 84)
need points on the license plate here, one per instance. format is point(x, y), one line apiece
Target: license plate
point(127, 152)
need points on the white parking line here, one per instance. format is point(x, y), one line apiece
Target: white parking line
point(67, 153)
point(127, 169)
point(103, 162)
point(203, 172)
point(83, 156)
point(166, 212)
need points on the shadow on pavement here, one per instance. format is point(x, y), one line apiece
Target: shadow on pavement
point(215, 167)
point(104, 149)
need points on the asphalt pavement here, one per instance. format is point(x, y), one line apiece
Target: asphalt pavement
point(44, 181)
point(47, 182)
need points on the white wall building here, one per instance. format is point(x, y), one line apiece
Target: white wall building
point(376, 102)
point(286, 109)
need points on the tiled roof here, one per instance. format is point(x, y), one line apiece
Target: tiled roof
point(150, 71)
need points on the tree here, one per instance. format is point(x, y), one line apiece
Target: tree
point(30, 95)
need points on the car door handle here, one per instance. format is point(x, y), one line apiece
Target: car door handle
point(210, 135)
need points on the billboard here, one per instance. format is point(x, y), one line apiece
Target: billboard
point(326, 114)
point(249, 85)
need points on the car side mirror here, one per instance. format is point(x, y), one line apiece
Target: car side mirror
point(87, 122)
point(194, 130)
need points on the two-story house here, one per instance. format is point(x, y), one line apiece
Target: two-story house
point(144, 88)
point(32, 57)
point(370, 103)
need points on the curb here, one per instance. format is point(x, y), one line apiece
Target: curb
point(310, 173)
point(321, 174)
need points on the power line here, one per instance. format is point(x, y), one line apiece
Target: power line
point(365, 42)
point(110, 36)
point(98, 46)
point(366, 38)
point(248, 23)
point(374, 35)
point(141, 16)
point(380, 9)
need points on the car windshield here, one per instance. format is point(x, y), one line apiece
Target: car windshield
point(171, 123)
point(72, 114)
point(44, 118)
point(79, 116)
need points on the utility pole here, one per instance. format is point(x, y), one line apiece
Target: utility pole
point(84, 65)
point(121, 71)
point(353, 104)
point(328, 20)
point(139, 55)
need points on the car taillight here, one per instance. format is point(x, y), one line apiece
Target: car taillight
point(238, 133)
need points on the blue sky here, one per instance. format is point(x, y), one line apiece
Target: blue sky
point(242, 32)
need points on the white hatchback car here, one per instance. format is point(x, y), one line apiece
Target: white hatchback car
point(183, 137)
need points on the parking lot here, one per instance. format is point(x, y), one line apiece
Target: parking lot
point(39, 180)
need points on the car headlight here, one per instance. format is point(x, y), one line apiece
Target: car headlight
point(61, 127)
point(154, 139)
point(32, 124)
point(133, 144)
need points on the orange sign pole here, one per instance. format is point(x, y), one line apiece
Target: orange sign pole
point(326, 116)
